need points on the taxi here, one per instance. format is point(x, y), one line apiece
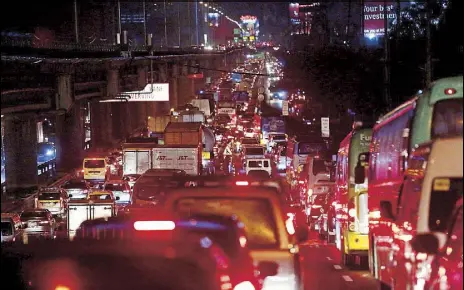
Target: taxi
point(54, 199)
point(98, 195)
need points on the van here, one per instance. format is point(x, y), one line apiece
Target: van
point(95, 169)
point(11, 228)
point(432, 186)
point(258, 164)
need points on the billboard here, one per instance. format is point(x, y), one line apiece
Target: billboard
point(294, 10)
point(156, 92)
point(250, 25)
point(213, 19)
point(374, 18)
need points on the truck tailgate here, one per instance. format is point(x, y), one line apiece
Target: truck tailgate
point(77, 213)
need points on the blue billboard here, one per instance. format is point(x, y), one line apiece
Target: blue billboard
point(236, 78)
point(272, 124)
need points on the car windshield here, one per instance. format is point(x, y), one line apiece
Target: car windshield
point(7, 228)
point(100, 197)
point(75, 185)
point(34, 214)
point(49, 196)
point(254, 151)
point(114, 186)
point(94, 164)
point(256, 213)
point(319, 166)
point(319, 199)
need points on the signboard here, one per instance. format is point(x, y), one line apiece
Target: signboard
point(285, 108)
point(261, 90)
point(195, 76)
point(325, 127)
point(226, 111)
point(374, 18)
point(205, 155)
point(237, 31)
point(260, 97)
point(227, 151)
point(156, 92)
point(294, 11)
point(213, 19)
point(240, 96)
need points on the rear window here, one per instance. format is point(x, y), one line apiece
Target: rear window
point(258, 164)
point(111, 186)
point(319, 166)
point(7, 228)
point(278, 137)
point(31, 214)
point(94, 164)
point(100, 197)
point(77, 185)
point(49, 196)
point(444, 195)
point(257, 214)
point(254, 151)
point(447, 118)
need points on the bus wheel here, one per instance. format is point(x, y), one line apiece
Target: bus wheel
point(347, 259)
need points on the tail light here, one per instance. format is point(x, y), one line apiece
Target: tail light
point(154, 225)
point(243, 241)
point(246, 285)
point(374, 215)
point(85, 191)
point(126, 191)
point(242, 183)
point(351, 215)
point(44, 223)
point(289, 223)
point(316, 206)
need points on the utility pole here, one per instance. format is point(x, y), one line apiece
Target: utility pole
point(178, 23)
point(428, 63)
point(189, 23)
point(165, 26)
point(144, 24)
point(119, 18)
point(386, 58)
point(76, 23)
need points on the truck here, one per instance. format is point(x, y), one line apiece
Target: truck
point(158, 124)
point(82, 210)
point(203, 105)
point(137, 155)
point(191, 117)
point(272, 125)
point(189, 133)
point(226, 108)
point(184, 157)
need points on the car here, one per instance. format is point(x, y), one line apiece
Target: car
point(96, 195)
point(54, 199)
point(11, 227)
point(259, 205)
point(131, 179)
point(38, 222)
point(148, 259)
point(77, 188)
point(121, 189)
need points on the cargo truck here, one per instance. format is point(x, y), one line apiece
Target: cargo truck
point(189, 133)
point(82, 210)
point(184, 157)
point(203, 105)
point(137, 155)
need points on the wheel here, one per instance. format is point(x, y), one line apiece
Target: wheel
point(348, 260)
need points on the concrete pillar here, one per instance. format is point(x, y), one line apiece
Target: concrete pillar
point(186, 90)
point(112, 78)
point(102, 126)
point(139, 109)
point(70, 137)
point(118, 120)
point(173, 93)
point(20, 152)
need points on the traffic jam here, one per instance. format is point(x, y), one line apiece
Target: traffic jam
point(222, 195)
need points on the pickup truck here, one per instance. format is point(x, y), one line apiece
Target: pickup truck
point(82, 210)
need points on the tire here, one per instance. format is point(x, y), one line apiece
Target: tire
point(348, 260)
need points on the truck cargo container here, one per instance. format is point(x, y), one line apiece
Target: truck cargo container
point(189, 133)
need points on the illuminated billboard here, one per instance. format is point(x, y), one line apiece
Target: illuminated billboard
point(374, 18)
point(250, 26)
point(294, 11)
point(213, 19)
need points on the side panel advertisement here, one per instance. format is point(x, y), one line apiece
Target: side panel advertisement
point(272, 124)
point(176, 158)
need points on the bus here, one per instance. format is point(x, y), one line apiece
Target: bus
point(298, 150)
point(352, 224)
point(435, 113)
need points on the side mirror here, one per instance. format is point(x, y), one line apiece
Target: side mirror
point(426, 243)
point(302, 234)
point(70, 195)
point(117, 198)
point(359, 174)
point(267, 268)
point(386, 210)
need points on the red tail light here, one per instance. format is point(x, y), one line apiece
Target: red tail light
point(450, 91)
point(242, 183)
point(246, 285)
point(154, 225)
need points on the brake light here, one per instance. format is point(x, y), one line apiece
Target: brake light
point(310, 192)
point(375, 214)
point(154, 225)
point(243, 241)
point(316, 206)
point(301, 182)
point(44, 223)
point(60, 287)
point(246, 285)
point(450, 91)
point(126, 191)
point(289, 224)
point(242, 183)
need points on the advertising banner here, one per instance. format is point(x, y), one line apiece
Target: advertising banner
point(156, 92)
point(374, 18)
point(294, 10)
point(213, 19)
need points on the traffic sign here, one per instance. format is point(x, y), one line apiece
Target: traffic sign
point(261, 90)
point(284, 108)
point(260, 97)
point(325, 129)
point(227, 151)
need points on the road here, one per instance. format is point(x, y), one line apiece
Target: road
point(323, 270)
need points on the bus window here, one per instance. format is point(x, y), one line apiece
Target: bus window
point(319, 166)
point(95, 163)
point(447, 118)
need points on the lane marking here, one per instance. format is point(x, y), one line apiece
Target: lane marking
point(337, 267)
point(329, 258)
point(347, 278)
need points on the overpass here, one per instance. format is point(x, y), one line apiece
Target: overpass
point(70, 82)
